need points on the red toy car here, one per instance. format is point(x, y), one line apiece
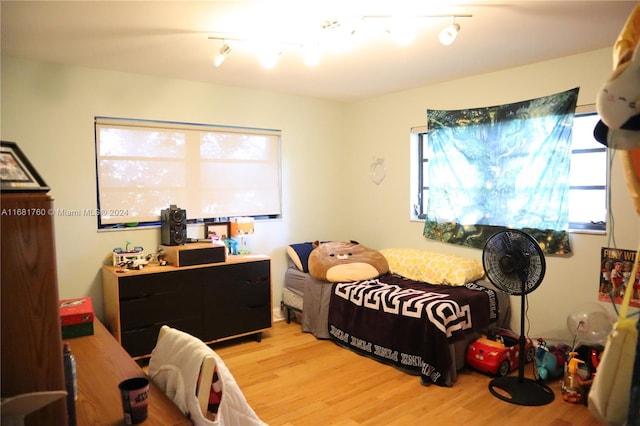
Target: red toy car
point(498, 354)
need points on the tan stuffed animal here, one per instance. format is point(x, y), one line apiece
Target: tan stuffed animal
point(339, 261)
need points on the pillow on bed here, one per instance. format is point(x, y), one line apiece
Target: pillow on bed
point(299, 255)
point(433, 268)
point(339, 261)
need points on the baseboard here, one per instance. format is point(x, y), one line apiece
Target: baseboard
point(277, 315)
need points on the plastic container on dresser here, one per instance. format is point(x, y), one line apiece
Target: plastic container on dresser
point(214, 302)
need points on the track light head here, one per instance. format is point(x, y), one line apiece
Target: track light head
point(402, 30)
point(222, 55)
point(311, 55)
point(269, 55)
point(448, 35)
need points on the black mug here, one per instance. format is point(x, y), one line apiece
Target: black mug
point(135, 399)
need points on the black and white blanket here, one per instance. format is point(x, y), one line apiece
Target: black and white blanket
point(409, 324)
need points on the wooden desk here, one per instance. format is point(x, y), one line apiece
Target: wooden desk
point(101, 363)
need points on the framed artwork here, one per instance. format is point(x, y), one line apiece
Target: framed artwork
point(16, 172)
point(216, 230)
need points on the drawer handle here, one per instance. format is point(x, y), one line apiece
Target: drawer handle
point(138, 297)
point(140, 328)
point(146, 296)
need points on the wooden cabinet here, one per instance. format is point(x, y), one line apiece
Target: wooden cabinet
point(213, 302)
point(31, 334)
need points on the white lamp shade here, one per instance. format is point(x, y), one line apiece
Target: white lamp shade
point(222, 55)
point(269, 56)
point(311, 55)
point(449, 34)
point(242, 226)
point(402, 30)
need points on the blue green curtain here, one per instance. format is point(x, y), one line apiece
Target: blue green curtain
point(499, 167)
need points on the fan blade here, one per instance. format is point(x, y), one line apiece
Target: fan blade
point(513, 261)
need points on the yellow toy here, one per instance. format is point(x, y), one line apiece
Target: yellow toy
point(572, 384)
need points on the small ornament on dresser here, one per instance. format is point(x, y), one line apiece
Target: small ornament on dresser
point(240, 228)
point(129, 258)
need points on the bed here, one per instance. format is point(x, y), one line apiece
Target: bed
point(420, 328)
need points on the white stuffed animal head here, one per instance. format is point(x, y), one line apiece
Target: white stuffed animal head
point(618, 104)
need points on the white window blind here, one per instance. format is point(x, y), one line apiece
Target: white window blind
point(210, 171)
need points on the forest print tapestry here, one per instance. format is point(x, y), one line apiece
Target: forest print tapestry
point(497, 167)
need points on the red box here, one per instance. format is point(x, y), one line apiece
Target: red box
point(76, 317)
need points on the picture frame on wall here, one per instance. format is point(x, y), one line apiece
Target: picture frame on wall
point(16, 171)
point(216, 230)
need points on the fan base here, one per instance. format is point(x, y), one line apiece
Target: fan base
point(521, 391)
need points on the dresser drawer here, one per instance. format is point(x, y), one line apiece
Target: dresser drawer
point(139, 286)
point(141, 341)
point(237, 299)
point(158, 298)
point(136, 313)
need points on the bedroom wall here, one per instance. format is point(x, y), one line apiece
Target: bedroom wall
point(379, 127)
point(49, 110)
point(327, 149)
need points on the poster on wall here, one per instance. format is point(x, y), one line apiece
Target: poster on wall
point(615, 276)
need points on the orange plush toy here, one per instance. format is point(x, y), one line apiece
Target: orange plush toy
point(618, 104)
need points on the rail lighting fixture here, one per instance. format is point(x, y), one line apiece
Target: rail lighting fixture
point(402, 30)
point(311, 55)
point(222, 55)
point(269, 56)
point(448, 35)
point(338, 35)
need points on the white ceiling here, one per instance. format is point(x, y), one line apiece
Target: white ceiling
point(171, 39)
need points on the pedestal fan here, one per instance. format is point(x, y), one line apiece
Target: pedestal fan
point(514, 263)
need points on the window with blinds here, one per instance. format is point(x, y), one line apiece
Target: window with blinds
point(210, 171)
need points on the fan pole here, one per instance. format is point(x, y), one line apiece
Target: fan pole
point(522, 340)
point(520, 390)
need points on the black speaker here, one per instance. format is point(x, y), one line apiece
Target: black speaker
point(174, 226)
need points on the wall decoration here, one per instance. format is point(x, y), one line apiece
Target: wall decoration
point(615, 276)
point(503, 166)
point(16, 172)
point(377, 171)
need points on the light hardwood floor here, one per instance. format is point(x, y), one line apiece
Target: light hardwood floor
point(292, 378)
